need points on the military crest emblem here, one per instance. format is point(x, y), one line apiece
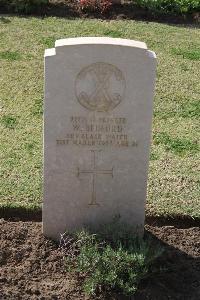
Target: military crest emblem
point(100, 87)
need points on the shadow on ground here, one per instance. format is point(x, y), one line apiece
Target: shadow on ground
point(179, 275)
point(35, 214)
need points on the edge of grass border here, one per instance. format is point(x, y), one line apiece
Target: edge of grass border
point(15, 212)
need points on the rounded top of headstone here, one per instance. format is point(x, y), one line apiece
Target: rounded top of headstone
point(101, 41)
point(106, 41)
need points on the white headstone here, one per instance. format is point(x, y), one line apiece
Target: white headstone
point(97, 131)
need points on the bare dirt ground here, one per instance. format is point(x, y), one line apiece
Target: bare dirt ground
point(31, 266)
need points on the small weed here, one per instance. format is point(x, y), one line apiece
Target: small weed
point(9, 121)
point(37, 109)
point(110, 263)
point(176, 145)
point(190, 110)
point(30, 147)
point(153, 156)
point(8, 55)
point(184, 67)
point(29, 56)
point(184, 109)
point(165, 114)
point(188, 54)
point(48, 41)
point(113, 33)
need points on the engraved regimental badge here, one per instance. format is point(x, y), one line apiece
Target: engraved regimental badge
point(100, 87)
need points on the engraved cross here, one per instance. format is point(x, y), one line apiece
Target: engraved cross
point(94, 171)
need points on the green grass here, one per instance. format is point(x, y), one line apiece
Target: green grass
point(8, 55)
point(174, 177)
point(192, 54)
point(176, 145)
point(8, 121)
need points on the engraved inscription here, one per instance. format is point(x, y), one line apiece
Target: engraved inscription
point(100, 87)
point(97, 131)
point(94, 171)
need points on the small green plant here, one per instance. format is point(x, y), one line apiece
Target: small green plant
point(9, 121)
point(10, 55)
point(113, 33)
point(190, 109)
point(48, 41)
point(37, 109)
point(176, 145)
point(187, 54)
point(109, 262)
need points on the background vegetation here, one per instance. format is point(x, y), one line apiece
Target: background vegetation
point(170, 7)
point(24, 6)
point(155, 7)
point(174, 177)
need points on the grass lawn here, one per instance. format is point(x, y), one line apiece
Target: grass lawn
point(174, 177)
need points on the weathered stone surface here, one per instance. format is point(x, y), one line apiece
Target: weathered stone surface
point(97, 130)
